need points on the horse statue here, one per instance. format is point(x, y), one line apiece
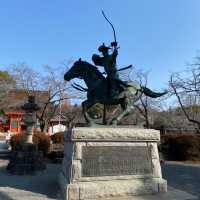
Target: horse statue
point(99, 92)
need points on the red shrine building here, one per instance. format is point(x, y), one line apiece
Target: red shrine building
point(15, 121)
point(14, 100)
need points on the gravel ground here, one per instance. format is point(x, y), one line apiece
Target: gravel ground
point(42, 186)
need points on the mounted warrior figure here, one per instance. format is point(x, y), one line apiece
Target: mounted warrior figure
point(110, 90)
point(108, 61)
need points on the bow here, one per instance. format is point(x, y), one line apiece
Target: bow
point(115, 39)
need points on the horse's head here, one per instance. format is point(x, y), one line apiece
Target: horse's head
point(76, 71)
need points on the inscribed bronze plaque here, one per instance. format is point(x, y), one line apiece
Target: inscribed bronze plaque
point(116, 161)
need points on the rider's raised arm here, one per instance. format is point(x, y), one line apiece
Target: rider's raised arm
point(115, 49)
point(115, 53)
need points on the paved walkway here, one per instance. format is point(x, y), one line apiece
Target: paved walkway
point(43, 186)
point(184, 177)
point(183, 181)
point(3, 145)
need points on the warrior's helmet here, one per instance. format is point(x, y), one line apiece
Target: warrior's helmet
point(103, 48)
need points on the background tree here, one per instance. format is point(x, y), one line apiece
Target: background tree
point(147, 107)
point(7, 82)
point(185, 86)
point(49, 80)
point(74, 117)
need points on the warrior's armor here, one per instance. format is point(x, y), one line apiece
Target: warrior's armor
point(108, 61)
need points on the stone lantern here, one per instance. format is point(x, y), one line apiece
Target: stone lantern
point(29, 118)
point(26, 158)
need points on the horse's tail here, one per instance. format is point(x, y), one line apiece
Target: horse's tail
point(151, 93)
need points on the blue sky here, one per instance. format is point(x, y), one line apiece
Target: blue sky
point(158, 36)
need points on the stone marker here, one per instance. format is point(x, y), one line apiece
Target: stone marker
point(110, 162)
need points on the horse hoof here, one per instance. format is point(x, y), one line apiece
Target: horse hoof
point(91, 124)
point(114, 123)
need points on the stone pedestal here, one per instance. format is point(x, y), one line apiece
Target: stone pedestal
point(109, 162)
point(26, 159)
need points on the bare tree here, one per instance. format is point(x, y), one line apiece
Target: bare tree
point(7, 83)
point(147, 106)
point(34, 83)
point(73, 116)
point(185, 86)
point(26, 78)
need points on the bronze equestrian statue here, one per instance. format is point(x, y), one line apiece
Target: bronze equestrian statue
point(109, 90)
point(98, 91)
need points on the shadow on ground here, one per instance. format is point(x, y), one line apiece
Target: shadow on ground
point(43, 183)
point(186, 178)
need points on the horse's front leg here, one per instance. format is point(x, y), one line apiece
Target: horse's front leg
point(85, 106)
point(126, 107)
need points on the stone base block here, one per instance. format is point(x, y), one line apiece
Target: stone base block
point(111, 163)
point(112, 189)
point(26, 159)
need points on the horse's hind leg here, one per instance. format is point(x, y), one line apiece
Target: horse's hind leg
point(85, 106)
point(126, 107)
